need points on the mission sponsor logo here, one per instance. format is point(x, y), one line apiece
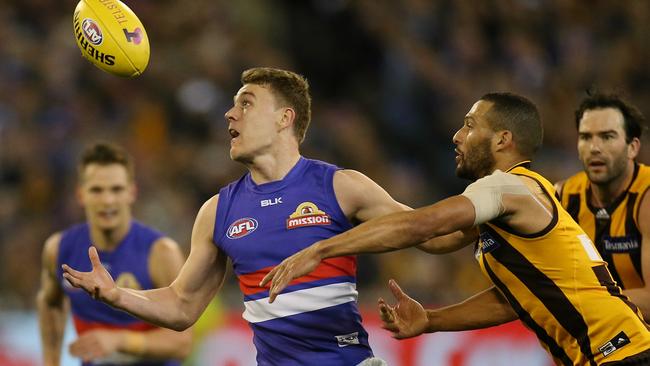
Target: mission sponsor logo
point(241, 228)
point(307, 214)
point(128, 280)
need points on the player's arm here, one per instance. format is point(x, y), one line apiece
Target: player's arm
point(641, 296)
point(52, 304)
point(383, 234)
point(499, 195)
point(178, 305)
point(407, 318)
point(362, 199)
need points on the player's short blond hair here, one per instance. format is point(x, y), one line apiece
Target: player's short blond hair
point(289, 90)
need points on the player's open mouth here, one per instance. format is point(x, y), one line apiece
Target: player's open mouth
point(107, 214)
point(233, 133)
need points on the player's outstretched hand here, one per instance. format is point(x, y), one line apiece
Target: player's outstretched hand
point(299, 264)
point(96, 344)
point(98, 282)
point(407, 318)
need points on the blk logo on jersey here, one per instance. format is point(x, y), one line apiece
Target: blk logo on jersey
point(307, 214)
point(271, 202)
point(241, 228)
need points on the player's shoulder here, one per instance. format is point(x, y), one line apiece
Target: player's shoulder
point(164, 247)
point(573, 184)
point(51, 247)
point(209, 208)
point(352, 180)
point(644, 173)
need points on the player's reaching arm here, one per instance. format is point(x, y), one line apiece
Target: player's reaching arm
point(178, 305)
point(407, 318)
point(165, 262)
point(500, 195)
point(52, 304)
point(362, 199)
point(387, 233)
point(641, 296)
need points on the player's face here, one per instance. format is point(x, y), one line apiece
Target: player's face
point(601, 145)
point(252, 122)
point(474, 158)
point(106, 192)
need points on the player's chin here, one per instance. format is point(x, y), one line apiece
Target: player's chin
point(108, 223)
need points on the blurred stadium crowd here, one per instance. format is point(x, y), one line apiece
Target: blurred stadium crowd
point(391, 82)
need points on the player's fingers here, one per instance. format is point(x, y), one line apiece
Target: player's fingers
point(269, 276)
point(279, 283)
point(396, 290)
point(385, 313)
point(94, 257)
point(67, 269)
point(74, 281)
point(78, 348)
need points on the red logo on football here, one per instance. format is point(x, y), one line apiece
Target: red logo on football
point(92, 32)
point(241, 228)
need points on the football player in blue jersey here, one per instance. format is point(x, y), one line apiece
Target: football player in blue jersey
point(283, 204)
point(137, 256)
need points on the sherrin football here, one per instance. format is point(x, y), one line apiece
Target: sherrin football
point(111, 36)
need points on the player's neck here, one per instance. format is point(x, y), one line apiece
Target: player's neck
point(506, 164)
point(602, 195)
point(272, 167)
point(109, 239)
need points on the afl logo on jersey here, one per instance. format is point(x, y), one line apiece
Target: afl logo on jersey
point(241, 228)
point(307, 214)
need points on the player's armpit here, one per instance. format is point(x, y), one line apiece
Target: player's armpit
point(450, 242)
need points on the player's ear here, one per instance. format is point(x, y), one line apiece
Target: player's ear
point(287, 118)
point(502, 139)
point(133, 192)
point(79, 194)
point(633, 148)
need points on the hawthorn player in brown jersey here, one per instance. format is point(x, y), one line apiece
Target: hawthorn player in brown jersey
point(609, 198)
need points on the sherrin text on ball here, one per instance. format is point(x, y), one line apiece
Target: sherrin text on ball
point(111, 36)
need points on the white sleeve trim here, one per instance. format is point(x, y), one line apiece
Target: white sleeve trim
point(486, 194)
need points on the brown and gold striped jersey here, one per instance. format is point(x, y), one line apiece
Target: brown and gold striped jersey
point(614, 229)
point(561, 289)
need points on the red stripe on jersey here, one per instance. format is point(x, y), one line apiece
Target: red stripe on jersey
point(83, 326)
point(328, 268)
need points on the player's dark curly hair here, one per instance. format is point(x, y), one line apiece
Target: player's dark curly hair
point(289, 89)
point(632, 118)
